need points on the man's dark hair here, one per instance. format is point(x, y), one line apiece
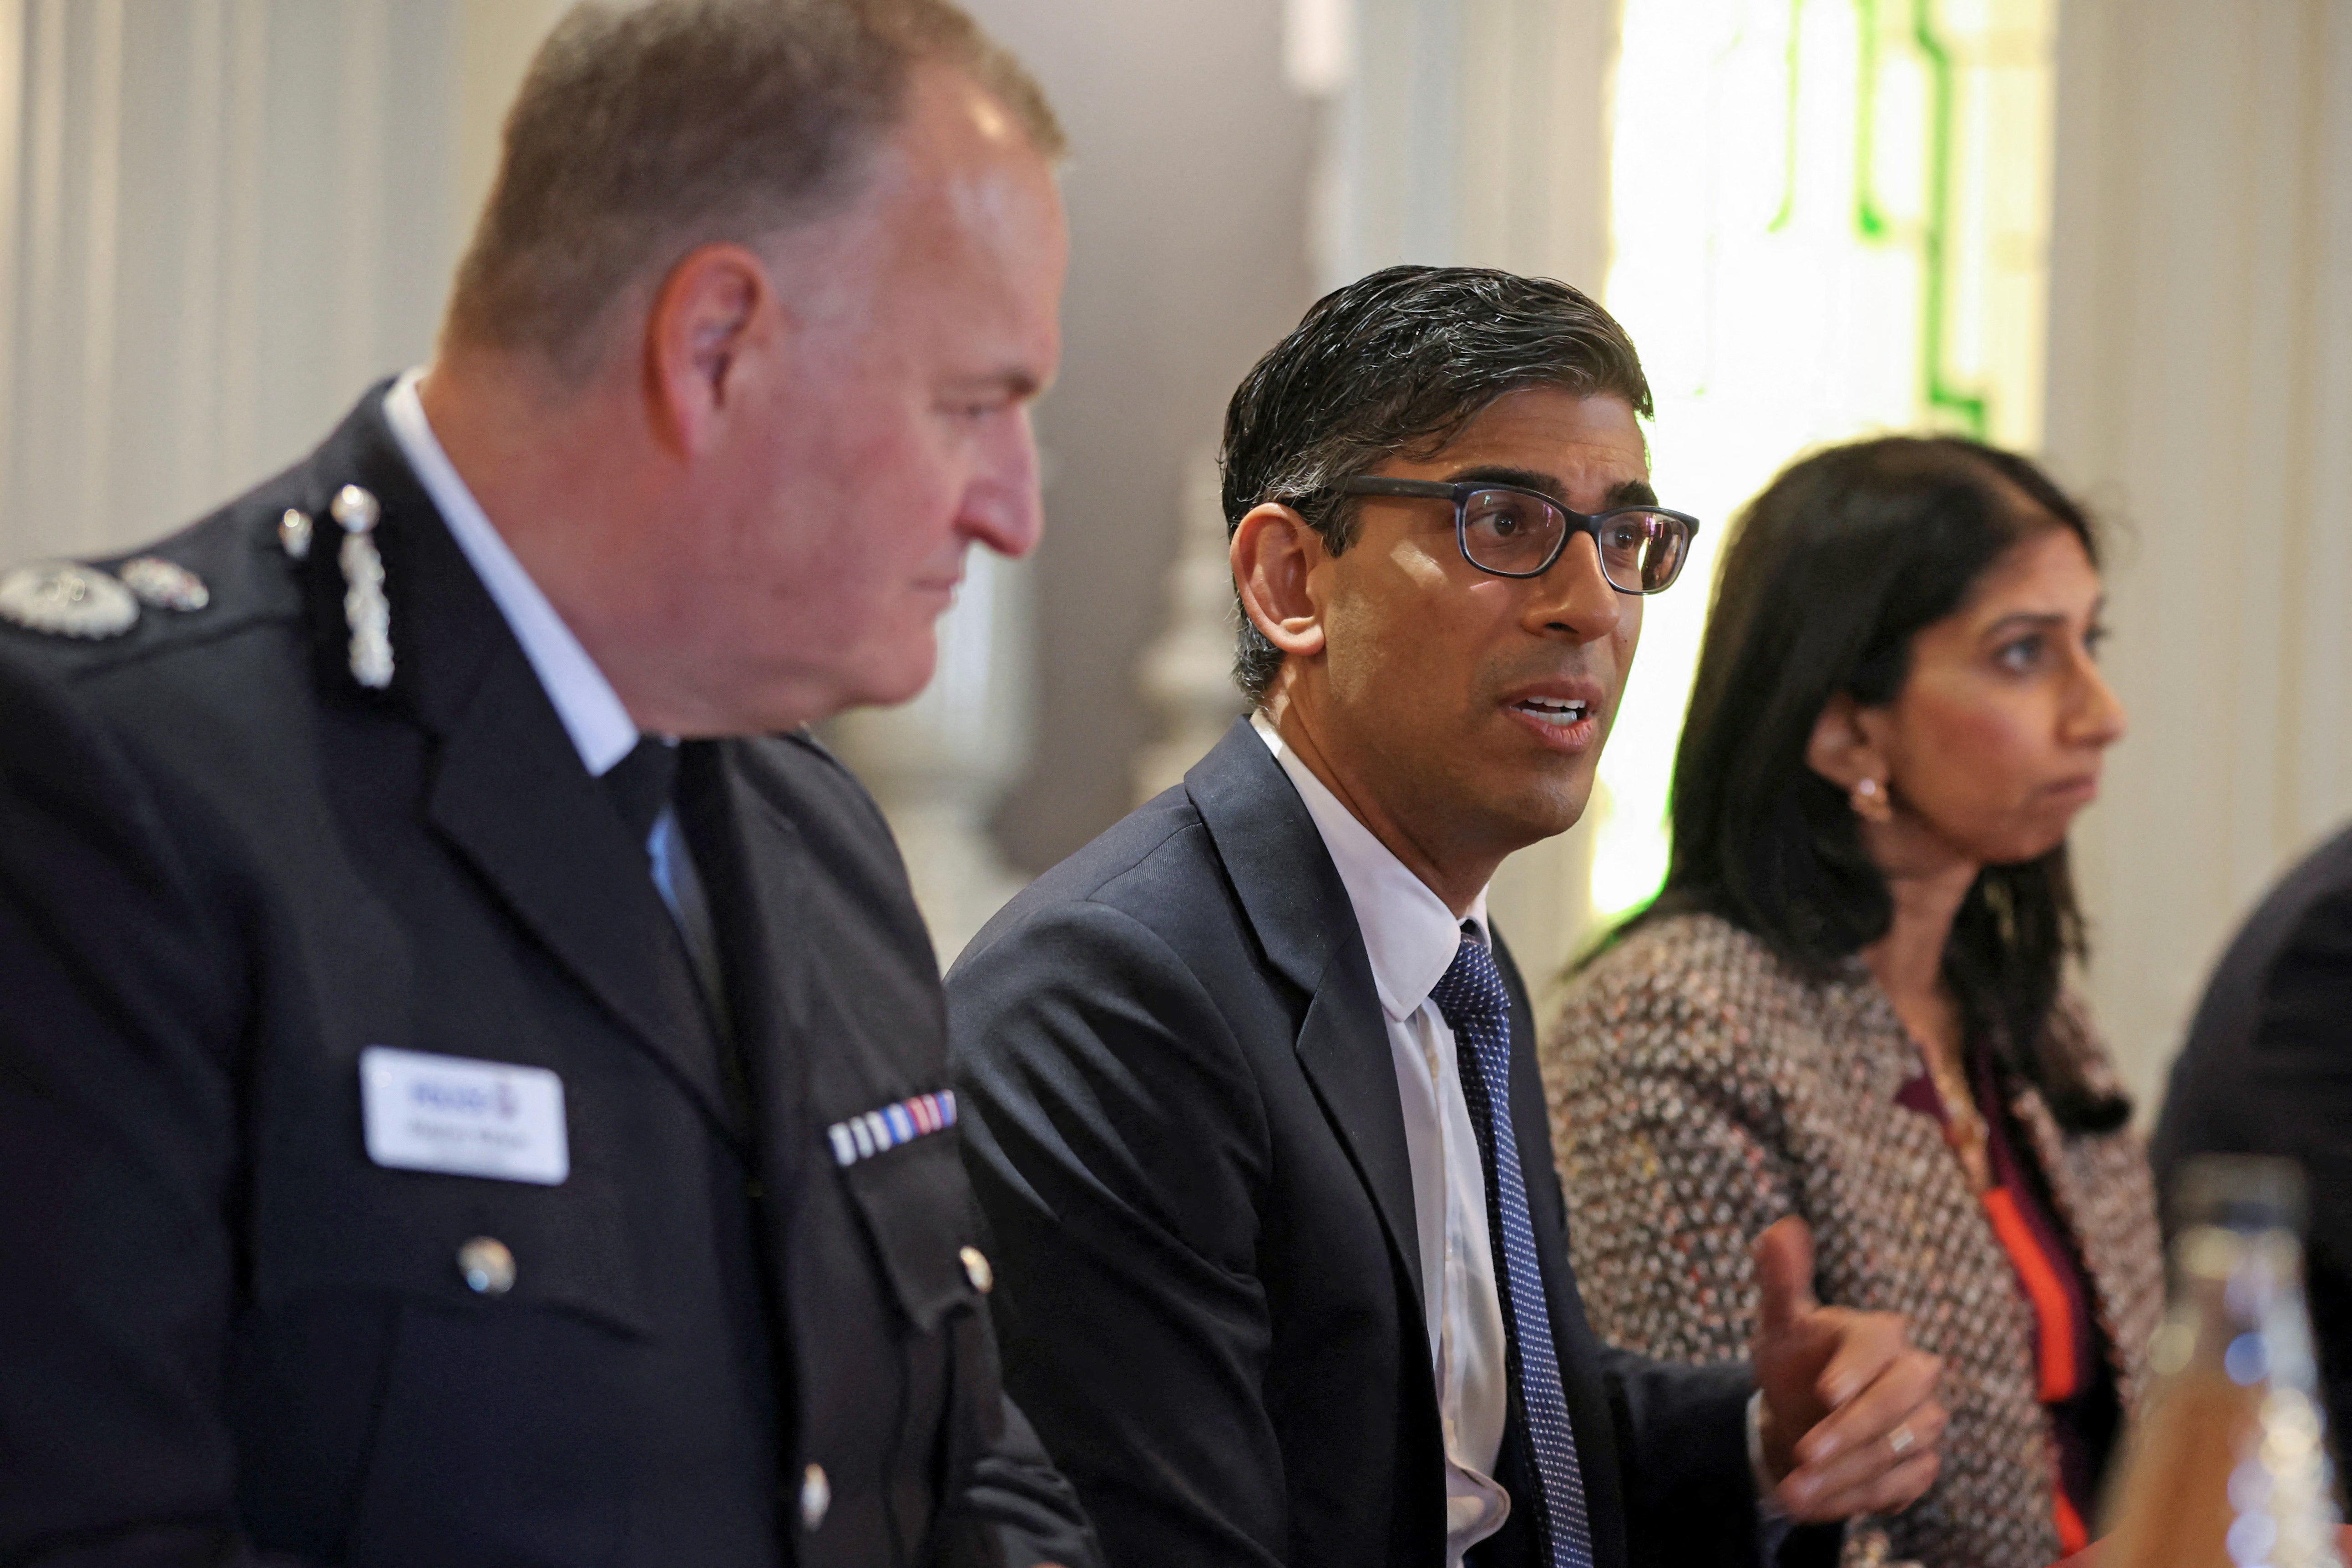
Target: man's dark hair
point(1827, 576)
point(645, 129)
point(1394, 364)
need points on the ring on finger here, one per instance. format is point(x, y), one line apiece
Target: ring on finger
point(1901, 1440)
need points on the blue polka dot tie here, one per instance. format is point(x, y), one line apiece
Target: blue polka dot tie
point(1477, 1008)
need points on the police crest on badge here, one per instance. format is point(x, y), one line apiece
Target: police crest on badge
point(65, 599)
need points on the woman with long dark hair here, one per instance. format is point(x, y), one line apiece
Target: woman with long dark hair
point(1850, 1002)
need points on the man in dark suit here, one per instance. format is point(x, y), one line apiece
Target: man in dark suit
point(2268, 1070)
point(466, 1096)
point(1249, 1084)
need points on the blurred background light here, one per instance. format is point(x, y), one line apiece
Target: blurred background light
point(1315, 42)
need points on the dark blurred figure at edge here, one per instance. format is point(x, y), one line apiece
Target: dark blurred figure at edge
point(2268, 1070)
point(472, 1078)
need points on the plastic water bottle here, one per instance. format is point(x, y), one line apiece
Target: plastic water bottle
point(2228, 1466)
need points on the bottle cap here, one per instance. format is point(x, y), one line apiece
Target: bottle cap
point(2239, 1192)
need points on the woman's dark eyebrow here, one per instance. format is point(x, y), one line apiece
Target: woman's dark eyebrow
point(2038, 618)
point(1626, 492)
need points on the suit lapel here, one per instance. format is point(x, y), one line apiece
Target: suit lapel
point(1344, 1048)
point(1299, 909)
point(518, 804)
point(505, 784)
point(751, 861)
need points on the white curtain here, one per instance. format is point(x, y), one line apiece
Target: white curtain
point(1470, 132)
point(220, 220)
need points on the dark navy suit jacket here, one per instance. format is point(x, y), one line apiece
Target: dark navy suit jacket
point(1182, 1121)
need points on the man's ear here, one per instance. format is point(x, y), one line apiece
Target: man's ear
point(1273, 550)
point(709, 314)
point(1844, 747)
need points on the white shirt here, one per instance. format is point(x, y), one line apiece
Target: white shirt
point(1411, 938)
point(593, 713)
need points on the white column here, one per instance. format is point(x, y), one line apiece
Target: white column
point(1187, 674)
point(2201, 396)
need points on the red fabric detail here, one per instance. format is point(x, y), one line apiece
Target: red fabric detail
point(2073, 1536)
point(2052, 1312)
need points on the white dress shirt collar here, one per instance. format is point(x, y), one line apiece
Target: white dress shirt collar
point(1409, 934)
point(600, 727)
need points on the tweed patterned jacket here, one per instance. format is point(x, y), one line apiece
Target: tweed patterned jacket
point(1700, 1089)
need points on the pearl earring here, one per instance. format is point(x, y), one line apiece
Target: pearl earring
point(1868, 802)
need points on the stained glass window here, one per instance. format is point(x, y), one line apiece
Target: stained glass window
point(1829, 218)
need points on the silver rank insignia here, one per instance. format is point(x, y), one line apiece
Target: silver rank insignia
point(294, 533)
point(66, 600)
point(365, 610)
point(164, 586)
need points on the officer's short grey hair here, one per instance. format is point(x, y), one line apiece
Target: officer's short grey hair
point(645, 130)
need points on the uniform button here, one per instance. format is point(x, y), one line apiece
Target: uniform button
point(488, 1266)
point(755, 1191)
point(355, 508)
point(816, 1495)
point(976, 1270)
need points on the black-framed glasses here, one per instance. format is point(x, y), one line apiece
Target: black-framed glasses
point(1515, 532)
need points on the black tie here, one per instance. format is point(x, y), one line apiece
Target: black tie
point(1476, 1004)
point(706, 821)
point(690, 778)
point(640, 784)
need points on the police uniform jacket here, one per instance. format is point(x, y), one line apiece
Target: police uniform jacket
point(730, 1334)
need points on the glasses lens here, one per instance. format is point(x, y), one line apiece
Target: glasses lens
point(1511, 530)
point(1642, 550)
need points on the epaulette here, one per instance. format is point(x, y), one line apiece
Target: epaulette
point(67, 599)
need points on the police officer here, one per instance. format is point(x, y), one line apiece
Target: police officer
point(471, 1075)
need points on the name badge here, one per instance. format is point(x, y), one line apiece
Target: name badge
point(462, 1117)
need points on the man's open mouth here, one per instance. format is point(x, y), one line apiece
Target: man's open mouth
point(1561, 712)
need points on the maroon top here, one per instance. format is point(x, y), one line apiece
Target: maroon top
point(2077, 1383)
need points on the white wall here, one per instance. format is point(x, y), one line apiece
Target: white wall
point(1187, 188)
point(2201, 395)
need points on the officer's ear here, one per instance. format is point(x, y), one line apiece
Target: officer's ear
point(715, 307)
